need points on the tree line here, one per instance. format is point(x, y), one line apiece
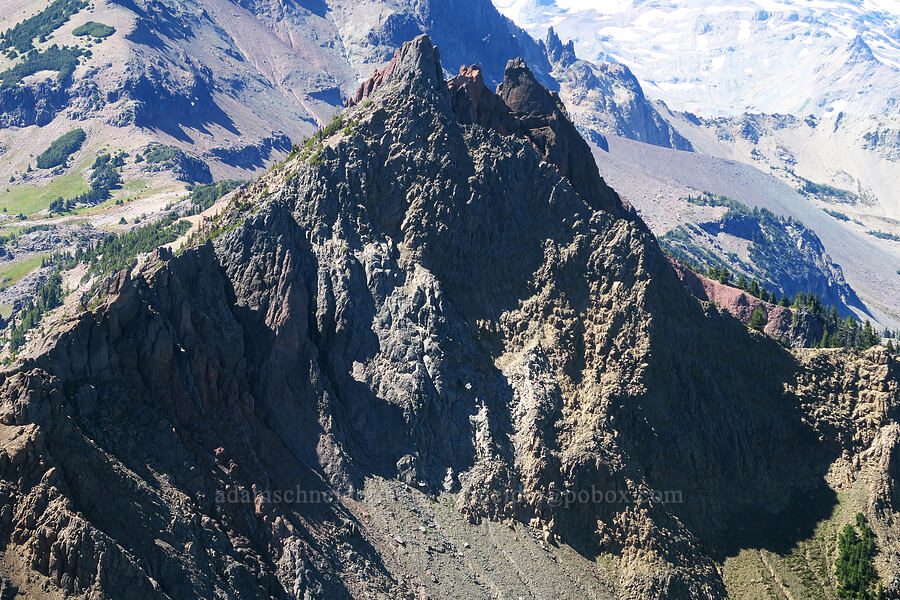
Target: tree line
point(837, 331)
point(21, 37)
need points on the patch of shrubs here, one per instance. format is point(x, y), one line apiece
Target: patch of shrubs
point(62, 59)
point(94, 30)
point(161, 153)
point(758, 319)
point(61, 149)
point(117, 252)
point(22, 36)
point(311, 148)
point(883, 235)
point(809, 188)
point(837, 214)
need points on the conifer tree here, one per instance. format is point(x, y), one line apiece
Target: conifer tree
point(758, 319)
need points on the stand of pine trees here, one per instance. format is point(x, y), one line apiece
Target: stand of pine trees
point(105, 177)
point(837, 332)
point(855, 564)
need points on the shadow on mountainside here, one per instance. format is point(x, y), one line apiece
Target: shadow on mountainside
point(778, 532)
point(720, 424)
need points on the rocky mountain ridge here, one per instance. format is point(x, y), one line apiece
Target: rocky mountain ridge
point(242, 82)
point(399, 307)
point(605, 97)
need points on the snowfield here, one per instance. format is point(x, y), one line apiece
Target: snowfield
point(798, 57)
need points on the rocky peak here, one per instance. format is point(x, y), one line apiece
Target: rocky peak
point(474, 103)
point(417, 59)
point(560, 55)
point(543, 119)
point(860, 52)
point(521, 106)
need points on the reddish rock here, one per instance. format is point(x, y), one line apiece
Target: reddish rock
point(368, 87)
point(474, 103)
point(737, 302)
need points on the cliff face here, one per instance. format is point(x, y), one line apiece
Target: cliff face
point(430, 301)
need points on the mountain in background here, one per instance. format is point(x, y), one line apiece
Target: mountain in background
point(719, 59)
point(833, 66)
point(605, 98)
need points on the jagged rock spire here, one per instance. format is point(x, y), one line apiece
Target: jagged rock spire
point(474, 103)
point(417, 59)
point(543, 119)
point(560, 55)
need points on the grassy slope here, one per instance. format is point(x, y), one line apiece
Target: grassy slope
point(13, 272)
point(29, 199)
point(806, 572)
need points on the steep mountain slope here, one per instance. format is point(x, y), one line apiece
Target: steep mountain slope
point(428, 301)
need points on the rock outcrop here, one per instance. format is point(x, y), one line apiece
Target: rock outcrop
point(437, 303)
point(33, 105)
point(606, 98)
point(543, 119)
point(474, 104)
point(794, 327)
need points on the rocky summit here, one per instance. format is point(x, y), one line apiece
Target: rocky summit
point(432, 354)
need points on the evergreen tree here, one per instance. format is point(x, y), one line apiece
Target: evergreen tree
point(758, 319)
point(724, 275)
point(868, 337)
point(754, 288)
point(854, 566)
